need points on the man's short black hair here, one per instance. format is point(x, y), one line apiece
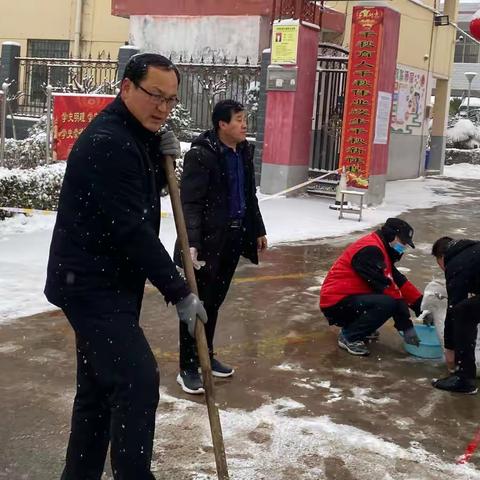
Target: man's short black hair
point(223, 111)
point(137, 66)
point(440, 247)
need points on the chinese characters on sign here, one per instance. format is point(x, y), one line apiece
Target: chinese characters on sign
point(71, 114)
point(360, 102)
point(284, 44)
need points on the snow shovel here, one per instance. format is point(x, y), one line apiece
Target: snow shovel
point(201, 339)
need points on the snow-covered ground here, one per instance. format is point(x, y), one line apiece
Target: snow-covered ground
point(24, 241)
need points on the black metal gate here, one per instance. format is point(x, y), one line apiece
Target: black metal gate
point(331, 79)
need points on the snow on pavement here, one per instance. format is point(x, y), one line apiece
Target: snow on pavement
point(281, 436)
point(24, 241)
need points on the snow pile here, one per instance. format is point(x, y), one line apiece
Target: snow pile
point(463, 134)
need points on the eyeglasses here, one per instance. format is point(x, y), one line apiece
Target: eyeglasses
point(159, 99)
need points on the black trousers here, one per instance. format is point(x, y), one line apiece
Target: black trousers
point(213, 282)
point(117, 397)
point(466, 317)
point(361, 315)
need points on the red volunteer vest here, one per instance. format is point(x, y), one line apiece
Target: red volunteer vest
point(342, 280)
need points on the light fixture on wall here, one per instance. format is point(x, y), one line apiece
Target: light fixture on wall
point(441, 20)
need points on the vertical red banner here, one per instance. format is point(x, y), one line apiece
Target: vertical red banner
point(361, 95)
point(71, 114)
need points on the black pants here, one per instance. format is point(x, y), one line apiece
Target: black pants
point(466, 317)
point(116, 400)
point(361, 315)
point(213, 282)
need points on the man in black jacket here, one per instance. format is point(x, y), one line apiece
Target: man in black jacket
point(223, 222)
point(460, 260)
point(105, 245)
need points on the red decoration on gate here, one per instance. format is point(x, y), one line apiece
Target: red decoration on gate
point(475, 25)
point(71, 114)
point(361, 95)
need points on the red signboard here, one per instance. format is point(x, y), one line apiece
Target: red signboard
point(361, 95)
point(71, 114)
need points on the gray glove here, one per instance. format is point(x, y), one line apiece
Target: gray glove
point(188, 309)
point(427, 318)
point(169, 144)
point(410, 336)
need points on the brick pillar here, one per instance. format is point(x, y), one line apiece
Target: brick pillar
point(369, 91)
point(288, 120)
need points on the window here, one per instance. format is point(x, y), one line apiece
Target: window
point(43, 74)
point(466, 50)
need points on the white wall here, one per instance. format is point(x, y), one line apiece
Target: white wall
point(198, 36)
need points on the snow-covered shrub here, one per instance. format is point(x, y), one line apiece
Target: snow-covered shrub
point(30, 152)
point(37, 188)
point(463, 134)
point(180, 121)
point(252, 96)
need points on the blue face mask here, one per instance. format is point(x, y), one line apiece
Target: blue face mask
point(399, 248)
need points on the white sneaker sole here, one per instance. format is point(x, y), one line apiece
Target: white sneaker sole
point(189, 390)
point(223, 375)
point(218, 374)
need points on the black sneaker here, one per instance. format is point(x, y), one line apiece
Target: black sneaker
point(373, 337)
point(454, 383)
point(220, 369)
point(355, 348)
point(190, 382)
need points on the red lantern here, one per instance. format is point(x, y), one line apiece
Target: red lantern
point(475, 25)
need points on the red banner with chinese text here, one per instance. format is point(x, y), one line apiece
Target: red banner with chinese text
point(361, 95)
point(71, 114)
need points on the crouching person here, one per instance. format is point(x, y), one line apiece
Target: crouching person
point(460, 260)
point(363, 289)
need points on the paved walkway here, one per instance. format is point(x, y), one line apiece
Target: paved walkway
point(297, 407)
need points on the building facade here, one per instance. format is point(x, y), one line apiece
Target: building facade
point(422, 85)
point(59, 28)
point(467, 54)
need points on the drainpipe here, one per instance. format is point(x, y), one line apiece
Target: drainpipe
point(78, 28)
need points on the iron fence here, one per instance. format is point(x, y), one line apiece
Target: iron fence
point(64, 75)
point(203, 84)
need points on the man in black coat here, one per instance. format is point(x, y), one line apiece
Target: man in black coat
point(460, 260)
point(105, 245)
point(223, 222)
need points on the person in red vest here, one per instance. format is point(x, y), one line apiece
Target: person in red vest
point(363, 289)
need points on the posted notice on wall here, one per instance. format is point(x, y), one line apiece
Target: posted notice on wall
point(382, 120)
point(285, 43)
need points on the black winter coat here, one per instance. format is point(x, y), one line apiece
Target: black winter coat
point(205, 198)
point(105, 242)
point(462, 275)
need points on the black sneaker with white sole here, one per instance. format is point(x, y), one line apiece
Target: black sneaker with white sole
point(355, 348)
point(456, 384)
point(190, 381)
point(221, 370)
